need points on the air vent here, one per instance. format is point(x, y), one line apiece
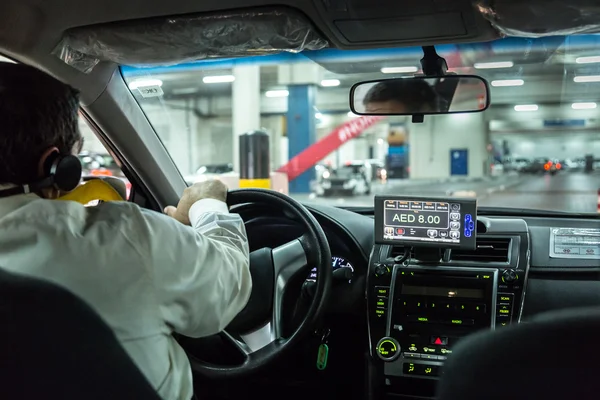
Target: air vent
point(399, 251)
point(488, 250)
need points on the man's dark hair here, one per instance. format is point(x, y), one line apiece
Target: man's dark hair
point(415, 94)
point(37, 112)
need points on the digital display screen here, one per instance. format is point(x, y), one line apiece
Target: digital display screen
point(450, 292)
point(426, 221)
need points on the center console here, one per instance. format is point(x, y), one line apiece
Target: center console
point(437, 274)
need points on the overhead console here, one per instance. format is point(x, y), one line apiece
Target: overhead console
point(356, 23)
point(438, 273)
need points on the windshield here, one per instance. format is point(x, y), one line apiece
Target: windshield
point(536, 147)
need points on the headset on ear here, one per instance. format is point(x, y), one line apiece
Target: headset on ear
point(61, 172)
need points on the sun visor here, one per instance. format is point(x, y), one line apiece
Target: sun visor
point(538, 18)
point(174, 40)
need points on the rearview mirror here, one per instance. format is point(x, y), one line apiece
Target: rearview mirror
point(420, 95)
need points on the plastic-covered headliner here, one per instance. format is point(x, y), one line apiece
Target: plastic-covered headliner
point(175, 40)
point(538, 18)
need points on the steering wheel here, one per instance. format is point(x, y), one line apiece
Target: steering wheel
point(257, 331)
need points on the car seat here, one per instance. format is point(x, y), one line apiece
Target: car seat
point(552, 356)
point(54, 346)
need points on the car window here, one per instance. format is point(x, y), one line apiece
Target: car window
point(95, 158)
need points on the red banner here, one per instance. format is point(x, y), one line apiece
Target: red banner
point(318, 151)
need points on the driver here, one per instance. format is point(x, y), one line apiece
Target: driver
point(146, 274)
point(401, 96)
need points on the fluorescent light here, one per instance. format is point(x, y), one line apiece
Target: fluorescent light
point(277, 93)
point(352, 115)
point(583, 106)
point(526, 107)
point(318, 115)
point(398, 70)
point(190, 90)
point(490, 65)
point(508, 82)
point(587, 60)
point(218, 79)
point(138, 83)
point(330, 82)
point(587, 78)
point(380, 141)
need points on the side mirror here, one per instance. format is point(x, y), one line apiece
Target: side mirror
point(445, 94)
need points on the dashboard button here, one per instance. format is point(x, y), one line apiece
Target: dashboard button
point(380, 312)
point(381, 302)
point(478, 308)
point(447, 306)
point(412, 355)
point(461, 321)
point(419, 318)
point(410, 368)
point(438, 340)
point(416, 305)
point(382, 290)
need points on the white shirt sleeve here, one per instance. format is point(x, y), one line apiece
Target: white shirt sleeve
point(201, 273)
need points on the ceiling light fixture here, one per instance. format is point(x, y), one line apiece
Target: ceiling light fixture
point(587, 60)
point(491, 65)
point(138, 83)
point(587, 78)
point(583, 106)
point(398, 70)
point(508, 82)
point(330, 82)
point(218, 79)
point(277, 93)
point(526, 107)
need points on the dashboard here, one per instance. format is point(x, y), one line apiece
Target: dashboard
point(414, 310)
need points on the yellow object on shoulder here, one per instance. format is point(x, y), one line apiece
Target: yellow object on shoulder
point(95, 190)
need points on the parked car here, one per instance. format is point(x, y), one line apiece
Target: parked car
point(98, 164)
point(215, 169)
point(378, 169)
point(353, 178)
point(516, 164)
point(536, 166)
point(553, 166)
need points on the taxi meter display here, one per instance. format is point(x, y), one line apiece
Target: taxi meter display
point(449, 223)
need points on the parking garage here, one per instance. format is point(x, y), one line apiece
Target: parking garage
point(543, 112)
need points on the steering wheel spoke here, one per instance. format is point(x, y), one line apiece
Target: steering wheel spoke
point(288, 261)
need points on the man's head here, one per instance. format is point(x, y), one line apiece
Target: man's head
point(39, 117)
point(400, 96)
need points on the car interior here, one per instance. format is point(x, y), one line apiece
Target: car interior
point(504, 311)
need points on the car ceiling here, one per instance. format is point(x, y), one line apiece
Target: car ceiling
point(30, 29)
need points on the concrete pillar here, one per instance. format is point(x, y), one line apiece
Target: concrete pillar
point(246, 105)
point(302, 81)
point(301, 127)
point(430, 144)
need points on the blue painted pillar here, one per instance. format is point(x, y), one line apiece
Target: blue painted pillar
point(301, 130)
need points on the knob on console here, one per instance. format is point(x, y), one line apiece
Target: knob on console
point(381, 270)
point(510, 276)
point(388, 349)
